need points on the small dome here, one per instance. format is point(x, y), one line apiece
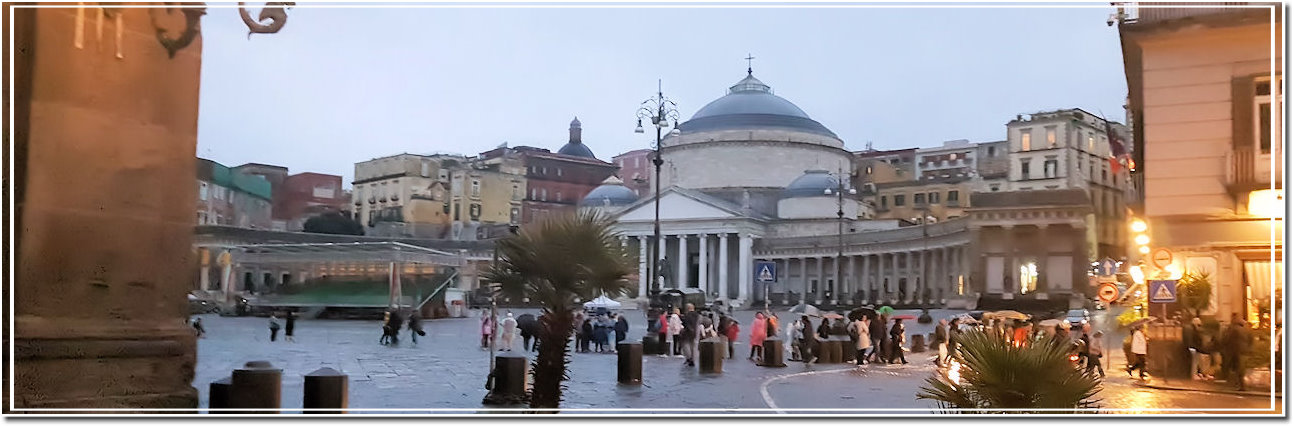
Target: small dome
point(612, 192)
point(576, 149)
point(575, 123)
point(751, 104)
point(812, 183)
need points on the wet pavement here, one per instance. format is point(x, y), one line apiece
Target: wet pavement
point(445, 373)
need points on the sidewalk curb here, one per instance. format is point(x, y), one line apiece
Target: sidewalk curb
point(1218, 391)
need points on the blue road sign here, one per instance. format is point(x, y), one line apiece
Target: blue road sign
point(1163, 291)
point(1108, 267)
point(766, 272)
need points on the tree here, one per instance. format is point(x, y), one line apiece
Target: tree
point(333, 223)
point(993, 375)
point(557, 264)
point(1195, 292)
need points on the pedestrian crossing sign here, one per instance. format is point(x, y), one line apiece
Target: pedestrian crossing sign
point(1163, 291)
point(766, 272)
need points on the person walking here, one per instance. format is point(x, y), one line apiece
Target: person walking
point(662, 330)
point(622, 329)
point(197, 328)
point(586, 334)
point(289, 324)
point(676, 327)
point(877, 329)
point(691, 330)
point(1138, 352)
point(796, 337)
point(733, 330)
point(897, 338)
point(809, 343)
point(758, 332)
point(824, 329)
point(862, 340)
point(393, 326)
point(487, 330)
point(509, 331)
point(1236, 343)
point(941, 341)
point(415, 327)
point(1096, 351)
point(386, 329)
point(274, 327)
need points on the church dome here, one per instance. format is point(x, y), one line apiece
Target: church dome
point(612, 192)
point(751, 104)
point(812, 183)
point(576, 149)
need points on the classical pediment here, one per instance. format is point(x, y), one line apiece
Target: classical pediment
point(679, 205)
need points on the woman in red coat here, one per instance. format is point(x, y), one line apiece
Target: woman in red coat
point(758, 332)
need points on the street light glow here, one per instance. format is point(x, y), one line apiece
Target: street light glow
point(1142, 240)
point(1144, 249)
point(1138, 225)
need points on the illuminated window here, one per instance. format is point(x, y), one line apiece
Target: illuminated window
point(1028, 278)
point(1025, 142)
point(1051, 137)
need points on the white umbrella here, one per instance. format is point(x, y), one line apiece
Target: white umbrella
point(602, 302)
point(806, 309)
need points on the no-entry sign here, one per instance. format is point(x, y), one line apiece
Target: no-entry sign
point(1162, 258)
point(1108, 292)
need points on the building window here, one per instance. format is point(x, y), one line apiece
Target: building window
point(899, 200)
point(1104, 175)
point(1092, 170)
point(516, 191)
point(202, 191)
point(992, 151)
point(952, 197)
point(534, 194)
point(1028, 278)
point(543, 170)
point(559, 196)
point(934, 198)
point(1024, 168)
point(444, 175)
point(1025, 142)
point(476, 188)
point(1263, 120)
point(884, 202)
point(1091, 143)
point(1049, 167)
point(919, 199)
point(1051, 137)
point(543, 194)
point(559, 171)
point(426, 168)
point(514, 215)
point(474, 212)
point(636, 161)
point(994, 188)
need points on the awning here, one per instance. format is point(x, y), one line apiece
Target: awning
point(377, 252)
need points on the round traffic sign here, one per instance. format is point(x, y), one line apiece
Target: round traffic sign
point(1108, 292)
point(1162, 258)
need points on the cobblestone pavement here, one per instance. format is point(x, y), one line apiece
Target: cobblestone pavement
point(445, 372)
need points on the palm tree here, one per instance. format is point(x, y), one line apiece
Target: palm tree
point(992, 375)
point(558, 263)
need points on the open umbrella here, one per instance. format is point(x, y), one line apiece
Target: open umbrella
point(905, 317)
point(806, 309)
point(885, 310)
point(1141, 321)
point(833, 316)
point(1012, 315)
point(965, 319)
point(859, 313)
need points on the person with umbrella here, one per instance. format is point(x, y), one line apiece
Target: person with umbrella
point(529, 328)
point(622, 328)
point(1139, 343)
point(758, 332)
point(862, 339)
point(795, 335)
point(732, 331)
point(415, 327)
point(880, 342)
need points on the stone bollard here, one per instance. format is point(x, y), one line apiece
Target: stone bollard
point(651, 344)
point(711, 356)
point(510, 376)
point(257, 385)
point(831, 351)
point(629, 363)
point(326, 388)
point(918, 343)
point(218, 395)
point(773, 353)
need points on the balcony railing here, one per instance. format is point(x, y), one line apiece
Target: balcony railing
point(1148, 15)
point(1246, 172)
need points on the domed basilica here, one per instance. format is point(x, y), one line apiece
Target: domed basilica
point(751, 178)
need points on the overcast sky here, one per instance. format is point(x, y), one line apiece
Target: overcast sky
point(338, 86)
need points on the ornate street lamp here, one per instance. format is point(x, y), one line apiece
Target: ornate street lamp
point(660, 111)
point(839, 192)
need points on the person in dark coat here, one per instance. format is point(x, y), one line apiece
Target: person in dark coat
point(586, 334)
point(393, 327)
point(622, 328)
point(896, 342)
point(528, 326)
point(274, 327)
point(824, 329)
point(954, 331)
point(289, 323)
point(197, 328)
point(415, 328)
point(877, 330)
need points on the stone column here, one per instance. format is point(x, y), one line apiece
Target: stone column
point(746, 243)
point(703, 266)
point(644, 270)
point(723, 267)
point(784, 278)
point(852, 280)
point(1042, 248)
point(865, 282)
point(894, 280)
point(682, 261)
point(204, 273)
point(104, 212)
point(822, 282)
point(838, 281)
